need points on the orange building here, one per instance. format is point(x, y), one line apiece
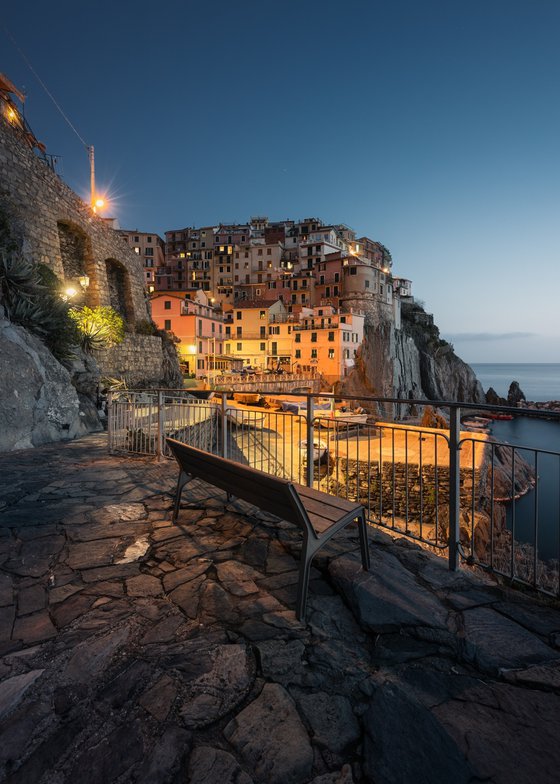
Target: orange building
point(198, 326)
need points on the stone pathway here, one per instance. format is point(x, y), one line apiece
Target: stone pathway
point(135, 651)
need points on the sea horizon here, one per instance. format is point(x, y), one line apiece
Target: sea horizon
point(539, 381)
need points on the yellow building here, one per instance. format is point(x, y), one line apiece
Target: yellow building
point(248, 333)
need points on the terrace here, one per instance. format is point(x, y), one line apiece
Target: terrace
point(132, 649)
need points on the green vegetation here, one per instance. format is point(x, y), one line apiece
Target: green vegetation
point(97, 328)
point(30, 295)
point(145, 327)
point(420, 326)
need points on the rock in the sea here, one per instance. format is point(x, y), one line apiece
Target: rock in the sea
point(493, 399)
point(515, 394)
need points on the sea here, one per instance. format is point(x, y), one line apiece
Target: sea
point(538, 382)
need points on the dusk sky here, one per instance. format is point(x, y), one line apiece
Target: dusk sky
point(433, 127)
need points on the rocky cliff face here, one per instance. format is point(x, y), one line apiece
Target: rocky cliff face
point(411, 362)
point(38, 403)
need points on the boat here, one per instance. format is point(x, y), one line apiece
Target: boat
point(247, 398)
point(333, 419)
point(505, 417)
point(320, 450)
point(300, 406)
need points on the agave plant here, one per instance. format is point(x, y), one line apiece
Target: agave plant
point(98, 328)
point(18, 279)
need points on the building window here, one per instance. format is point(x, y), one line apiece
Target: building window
point(167, 305)
point(240, 346)
point(313, 353)
point(238, 315)
point(298, 337)
point(167, 325)
point(263, 346)
point(331, 336)
point(200, 346)
point(148, 251)
point(262, 314)
point(262, 333)
point(353, 270)
point(148, 239)
point(298, 353)
point(331, 353)
point(313, 337)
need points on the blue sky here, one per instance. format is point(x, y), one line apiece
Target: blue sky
point(431, 126)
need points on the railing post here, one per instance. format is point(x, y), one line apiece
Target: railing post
point(454, 486)
point(160, 425)
point(110, 422)
point(309, 477)
point(223, 419)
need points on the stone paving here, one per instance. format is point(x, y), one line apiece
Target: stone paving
point(132, 650)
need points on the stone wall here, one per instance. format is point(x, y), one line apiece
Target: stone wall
point(137, 358)
point(404, 492)
point(57, 228)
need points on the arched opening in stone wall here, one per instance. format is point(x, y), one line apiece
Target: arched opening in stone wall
point(76, 256)
point(120, 295)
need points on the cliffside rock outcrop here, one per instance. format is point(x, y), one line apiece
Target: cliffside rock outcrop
point(38, 403)
point(411, 362)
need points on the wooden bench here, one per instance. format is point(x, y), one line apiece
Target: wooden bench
point(318, 514)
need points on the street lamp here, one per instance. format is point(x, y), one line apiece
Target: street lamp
point(96, 202)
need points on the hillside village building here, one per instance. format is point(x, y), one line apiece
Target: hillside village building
point(291, 295)
point(198, 326)
point(151, 249)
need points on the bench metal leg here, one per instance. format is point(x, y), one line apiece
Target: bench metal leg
point(303, 583)
point(364, 545)
point(181, 482)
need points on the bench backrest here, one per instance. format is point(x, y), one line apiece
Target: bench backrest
point(270, 493)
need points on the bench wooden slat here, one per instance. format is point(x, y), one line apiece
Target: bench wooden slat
point(318, 514)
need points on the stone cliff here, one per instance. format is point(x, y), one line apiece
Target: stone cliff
point(410, 360)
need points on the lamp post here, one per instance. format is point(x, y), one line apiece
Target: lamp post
point(96, 203)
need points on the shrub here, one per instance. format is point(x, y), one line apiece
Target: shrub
point(145, 327)
point(98, 328)
point(31, 299)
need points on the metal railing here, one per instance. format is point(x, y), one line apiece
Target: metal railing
point(469, 495)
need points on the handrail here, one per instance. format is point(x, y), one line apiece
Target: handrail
point(428, 484)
